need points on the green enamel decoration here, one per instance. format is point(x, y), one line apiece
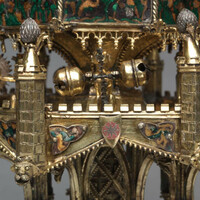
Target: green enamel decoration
point(161, 134)
point(13, 13)
point(115, 11)
point(169, 9)
point(8, 132)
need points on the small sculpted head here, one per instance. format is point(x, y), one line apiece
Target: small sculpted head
point(24, 170)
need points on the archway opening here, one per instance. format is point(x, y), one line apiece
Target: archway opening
point(152, 187)
point(61, 190)
point(196, 187)
point(9, 188)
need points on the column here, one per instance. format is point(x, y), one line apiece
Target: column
point(30, 78)
point(189, 91)
point(153, 90)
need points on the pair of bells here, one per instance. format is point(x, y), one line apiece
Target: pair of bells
point(70, 81)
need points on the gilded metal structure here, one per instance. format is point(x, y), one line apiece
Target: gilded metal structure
point(97, 125)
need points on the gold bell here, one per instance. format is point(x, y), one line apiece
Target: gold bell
point(69, 81)
point(134, 73)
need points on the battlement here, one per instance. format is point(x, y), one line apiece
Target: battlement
point(137, 111)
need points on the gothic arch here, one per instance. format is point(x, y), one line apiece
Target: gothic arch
point(144, 170)
point(115, 179)
point(190, 183)
point(75, 193)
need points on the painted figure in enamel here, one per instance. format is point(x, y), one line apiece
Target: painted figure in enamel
point(8, 132)
point(130, 11)
point(169, 9)
point(62, 136)
point(161, 133)
point(14, 12)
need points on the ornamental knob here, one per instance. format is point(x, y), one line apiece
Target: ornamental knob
point(29, 31)
point(186, 18)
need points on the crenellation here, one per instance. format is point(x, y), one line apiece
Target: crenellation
point(93, 108)
point(164, 107)
point(150, 108)
point(137, 108)
point(62, 107)
point(125, 108)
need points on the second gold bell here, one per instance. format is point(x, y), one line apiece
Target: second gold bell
point(134, 73)
point(69, 81)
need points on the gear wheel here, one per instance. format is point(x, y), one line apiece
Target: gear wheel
point(5, 69)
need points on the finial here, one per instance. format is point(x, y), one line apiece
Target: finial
point(187, 23)
point(29, 31)
point(185, 19)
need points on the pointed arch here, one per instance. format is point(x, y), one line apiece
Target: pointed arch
point(109, 169)
point(190, 183)
point(75, 193)
point(144, 170)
